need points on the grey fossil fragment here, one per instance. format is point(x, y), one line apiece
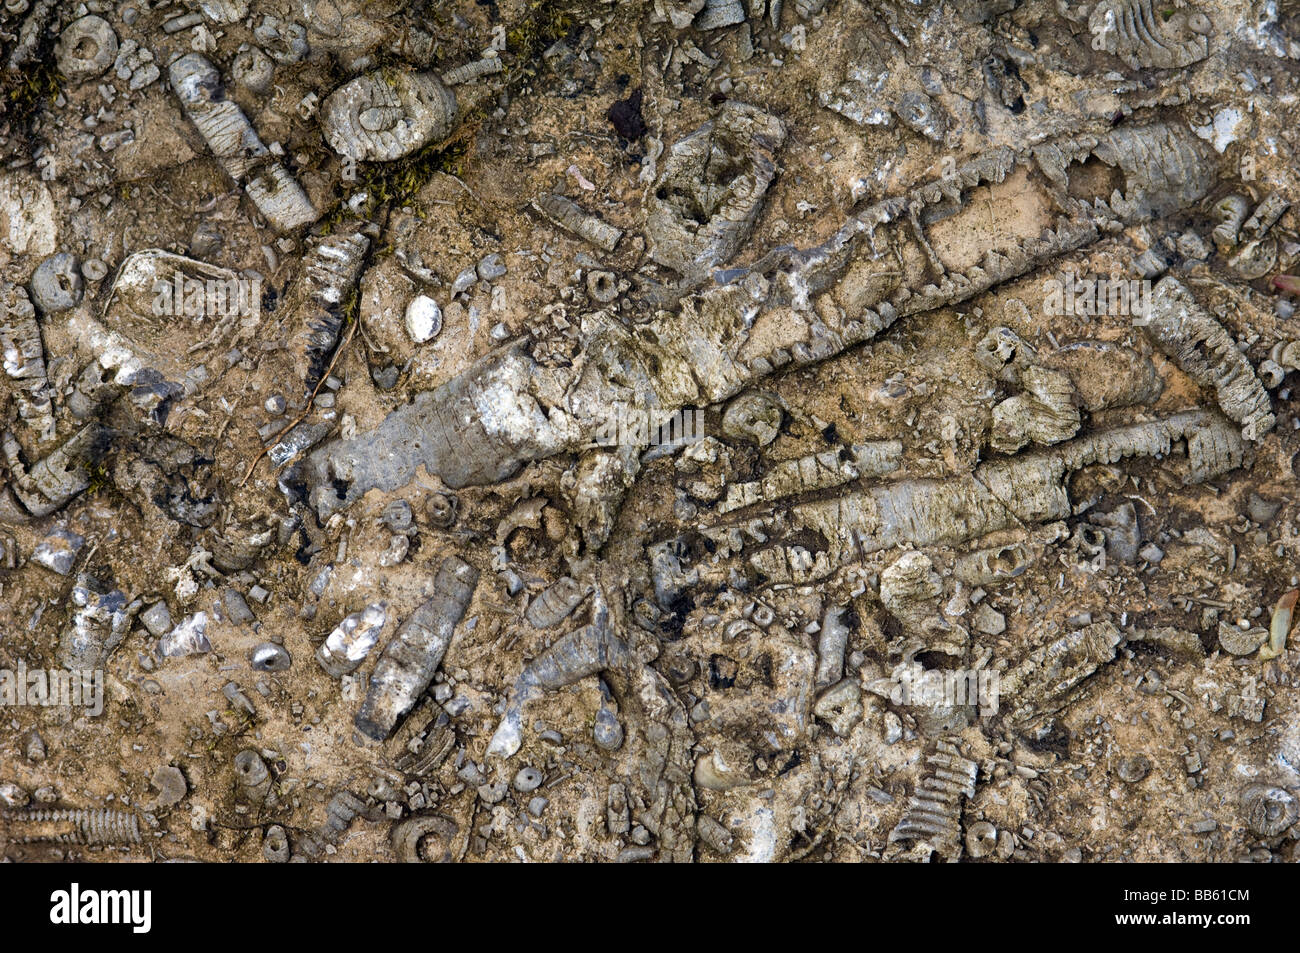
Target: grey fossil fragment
point(1041, 684)
point(555, 603)
point(408, 662)
point(1200, 346)
point(387, 114)
point(1044, 413)
point(711, 190)
point(60, 475)
point(507, 409)
point(87, 46)
point(1134, 31)
point(22, 355)
point(349, 642)
point(573, 218)
point(235, 144)
point(330, 273)
point(933, 815)
point(102, 827)
point(99, 623)
point(1000, 494)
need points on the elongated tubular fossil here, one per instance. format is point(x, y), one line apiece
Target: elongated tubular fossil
point(999, 494)
point(1203, 350)
point(818, 471)
point(236, 146)
point(555, 603)
point(22, 354)
point(1041, 683)
point(94, 828)
point(329, 273)
point(507, 410)
point(473, 70)
point(411, 657)
point(832, 642)
point(573, 218)
point(933, 814)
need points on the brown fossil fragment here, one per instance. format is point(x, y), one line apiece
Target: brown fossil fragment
point(708, 197)
point(933, 815)
point(1200, 346)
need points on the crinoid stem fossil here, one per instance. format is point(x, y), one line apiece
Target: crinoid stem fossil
point(592, 648)
point(933, 814)
point(411, 657)
point(659, 740)
point(236, 146)
point(330, 273)
point(58, 477)
point(1203, 350)
point(22, 355)
point(507, 409)
point(1000, 494)
point(94, 828)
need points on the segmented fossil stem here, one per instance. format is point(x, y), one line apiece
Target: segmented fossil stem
point(934, 812)
point(236, 146)
point(998, 495)
point(411, 657)
point(1200, 346)
point(573, 218)
point(1041, 684)
point(820, 471)
point(330, 272)
point(473, 70)
point(94, 828)
point(22, 355)
point(508, 410)
point(59, 476)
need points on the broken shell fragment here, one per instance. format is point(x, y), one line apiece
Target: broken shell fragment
point(188, 638)
point(754, 417)
point(423, 319)
point(348, 644)
point(382, 116)
point(1238, 641)
point(711, 191)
